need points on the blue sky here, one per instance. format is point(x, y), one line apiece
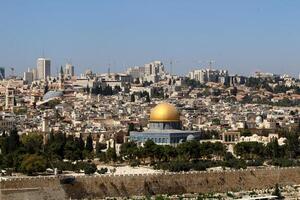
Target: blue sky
point(242, 36)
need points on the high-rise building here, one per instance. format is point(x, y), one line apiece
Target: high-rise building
point(148, 69)
point(199, 75)
point(153, 71)
point(136, 72)
point(2, 73)
point(28, 77)
point(69, 70)
point(155, 68)
point(34, 74)
point(43, 68)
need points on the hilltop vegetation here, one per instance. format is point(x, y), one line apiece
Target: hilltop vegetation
point(29, 155)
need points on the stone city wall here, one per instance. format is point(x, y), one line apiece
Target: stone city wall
point(147, 184)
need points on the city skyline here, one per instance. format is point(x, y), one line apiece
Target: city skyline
point(155, 99)
point(241, 37)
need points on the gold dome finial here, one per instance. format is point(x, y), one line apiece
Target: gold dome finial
point(164, 112)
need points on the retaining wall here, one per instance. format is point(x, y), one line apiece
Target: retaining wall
point(147, 184)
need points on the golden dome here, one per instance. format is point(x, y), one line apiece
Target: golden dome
point(164, 112)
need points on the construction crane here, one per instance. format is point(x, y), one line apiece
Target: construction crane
point(171, 67)
point(172, 62)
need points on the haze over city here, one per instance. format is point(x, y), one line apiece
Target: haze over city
point(240, 36)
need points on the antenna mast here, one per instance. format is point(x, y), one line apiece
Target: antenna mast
point(171, 67)
point(210, 63)
point(108, 72)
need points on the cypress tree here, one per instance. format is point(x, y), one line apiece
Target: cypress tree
point(61, 70)
point(89, 143)
point(132, 98)
point(51, 137)
point(81, 143)
point(148, 98)
point(13, 140)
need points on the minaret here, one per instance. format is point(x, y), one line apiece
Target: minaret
point(90, 94)
point(61, 78)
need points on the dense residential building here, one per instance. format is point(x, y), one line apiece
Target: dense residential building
point(115, 79)
point(153, 72)
point(110, 112)
point(9, 97)
point(7, 121)
point(116, 109)
point(209, 75)
point(28, 77)
point(266, 75)
point(69, 70)
point(154, 68)
point(136, 72)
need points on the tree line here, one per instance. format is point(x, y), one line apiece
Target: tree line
point(29, 154)
point(200, 156)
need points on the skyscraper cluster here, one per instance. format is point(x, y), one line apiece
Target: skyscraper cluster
point(41, 72)
point(149, 72)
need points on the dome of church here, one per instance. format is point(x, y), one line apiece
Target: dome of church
point(164, 112)
point(258, 120)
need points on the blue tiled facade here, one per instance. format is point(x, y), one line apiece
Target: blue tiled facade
point(163, 138)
